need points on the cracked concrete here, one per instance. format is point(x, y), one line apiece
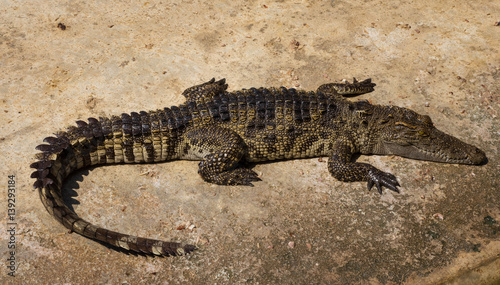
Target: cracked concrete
point(65, 62)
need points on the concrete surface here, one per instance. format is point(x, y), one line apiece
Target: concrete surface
point(68, 60)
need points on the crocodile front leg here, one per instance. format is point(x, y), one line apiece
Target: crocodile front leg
point(221, 150)
point(342, 168)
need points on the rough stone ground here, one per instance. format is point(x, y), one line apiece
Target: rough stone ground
point(63, 62)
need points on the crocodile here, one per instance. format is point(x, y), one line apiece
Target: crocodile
point(227, 129)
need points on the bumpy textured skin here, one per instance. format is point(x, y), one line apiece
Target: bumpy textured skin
point(222, 128)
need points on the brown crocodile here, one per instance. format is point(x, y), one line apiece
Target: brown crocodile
point(223, 128)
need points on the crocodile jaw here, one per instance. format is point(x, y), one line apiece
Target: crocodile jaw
point(438, 147)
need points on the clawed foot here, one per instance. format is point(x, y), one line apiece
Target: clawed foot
point(380, 178)
point(238, 176)
point(356, 87)
point(205, 90)
point(244, 176)
point(355, 82)
point(347, 89)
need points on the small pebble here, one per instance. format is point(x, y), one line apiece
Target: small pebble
point(438, 216)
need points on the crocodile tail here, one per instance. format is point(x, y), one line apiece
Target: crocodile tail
point(79, 147)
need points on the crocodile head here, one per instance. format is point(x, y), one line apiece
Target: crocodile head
point(406, 133)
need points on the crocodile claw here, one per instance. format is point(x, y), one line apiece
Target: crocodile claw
point(238, 176)
point(380, 179)
point(243, 176)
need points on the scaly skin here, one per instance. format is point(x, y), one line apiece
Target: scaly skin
point(222, 128)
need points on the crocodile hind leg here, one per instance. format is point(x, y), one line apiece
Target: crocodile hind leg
point(206, 90)
point(221, 150)
point(342, 168)
point(348, 89)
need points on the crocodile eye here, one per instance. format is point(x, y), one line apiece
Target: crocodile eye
point(399, 127)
